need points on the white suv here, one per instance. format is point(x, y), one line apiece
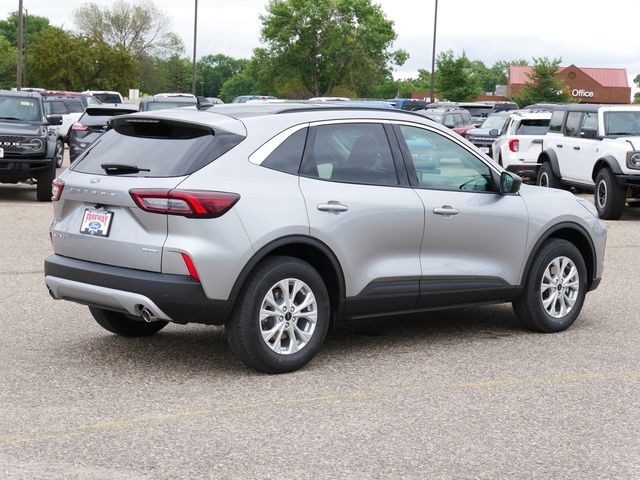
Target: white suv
point(520, 142)
point(596, 147)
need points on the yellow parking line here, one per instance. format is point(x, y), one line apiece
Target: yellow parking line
point(124, 424)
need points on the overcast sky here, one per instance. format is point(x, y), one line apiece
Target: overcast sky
point(589, 34)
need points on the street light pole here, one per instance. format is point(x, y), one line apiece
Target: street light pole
point(433, 53)
point(19, 69)
point(195, 37)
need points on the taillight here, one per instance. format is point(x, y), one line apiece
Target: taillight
point(56, 189)
point(187, 203)
point(514, 145)
point(79, 127)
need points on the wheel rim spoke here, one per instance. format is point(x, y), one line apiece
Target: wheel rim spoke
point(559, 287)
point(288, 316)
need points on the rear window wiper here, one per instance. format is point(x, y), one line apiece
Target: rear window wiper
point(12, 118)
point(118, 169)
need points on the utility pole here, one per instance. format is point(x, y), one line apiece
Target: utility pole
point(433, 53)
point(19, 71)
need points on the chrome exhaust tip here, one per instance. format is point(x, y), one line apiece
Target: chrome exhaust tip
point(148, 316)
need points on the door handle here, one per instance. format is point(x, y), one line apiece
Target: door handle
point(332, 207)
point(576, 148)
point(446, 210)
point(559, 145)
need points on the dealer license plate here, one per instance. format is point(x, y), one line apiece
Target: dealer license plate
point(96, 222)
point(484, 150)
point(1, 152)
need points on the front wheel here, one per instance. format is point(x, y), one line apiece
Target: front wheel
point(281, 317)
point(609, 196)
point(125, 325)
point(555, 288)
point(58, 156)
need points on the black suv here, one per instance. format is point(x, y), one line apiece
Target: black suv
point(29, 149)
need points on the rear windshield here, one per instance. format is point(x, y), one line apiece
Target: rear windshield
point(533, 127)
point(166, 105)
point(479, 111)
point(160, 150)
point(108, 97)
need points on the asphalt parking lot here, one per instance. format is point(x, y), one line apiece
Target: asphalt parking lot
point(460, 394)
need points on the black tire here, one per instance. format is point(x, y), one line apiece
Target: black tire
point(280, 285)
point(43, 186)
point(58, 155)
point(609, 196)
point(546, 177)
point(125, 325)
point(555, 288)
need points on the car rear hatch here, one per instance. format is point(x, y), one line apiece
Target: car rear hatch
point(96, 217)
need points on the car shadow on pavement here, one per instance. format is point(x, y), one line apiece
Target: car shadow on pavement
point(203, 350)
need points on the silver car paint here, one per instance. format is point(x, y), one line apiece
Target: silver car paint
point(274, 205)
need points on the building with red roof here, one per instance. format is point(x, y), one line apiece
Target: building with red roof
point(589, 85)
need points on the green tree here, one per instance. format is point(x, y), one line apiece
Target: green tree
point(454, 78)
point(136, 28)
point(636, 97)
point(61, 60)
point(240, 84)
point(33, 25)
point(323, 44)
point(215, 70)
point(543, 86)
point(8, 64)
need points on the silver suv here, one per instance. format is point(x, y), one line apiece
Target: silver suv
point(276, 220)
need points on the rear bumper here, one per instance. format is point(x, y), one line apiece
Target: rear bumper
point(524, 170)
point(175, 298)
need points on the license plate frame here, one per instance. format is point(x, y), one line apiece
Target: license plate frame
point(96, 222)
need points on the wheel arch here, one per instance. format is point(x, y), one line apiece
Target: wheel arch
point(312, 251)
point(605, 162)
point(574, 234)
point(551, 157)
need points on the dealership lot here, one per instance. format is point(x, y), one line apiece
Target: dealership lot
point(460, 394)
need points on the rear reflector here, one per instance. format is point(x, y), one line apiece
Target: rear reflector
point(190, 266)
point(187, 203)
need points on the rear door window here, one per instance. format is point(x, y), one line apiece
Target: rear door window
point(350, 152)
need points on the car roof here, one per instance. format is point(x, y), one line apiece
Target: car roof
point(231, 116)
point(108, 107)
point(20, 93)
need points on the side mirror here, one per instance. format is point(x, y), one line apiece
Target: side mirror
point(494, 132)
point(588, 132)
point(54, 119)
point(509, 183)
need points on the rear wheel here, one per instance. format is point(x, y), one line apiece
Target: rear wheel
point(546, 177)
point(555, 288)
point(281, 317)
point(43, 185)
point(609, 196)
point(125, 325)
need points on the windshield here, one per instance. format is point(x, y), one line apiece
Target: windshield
point(19, 108)
point(622, 123)
point(495, 121)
